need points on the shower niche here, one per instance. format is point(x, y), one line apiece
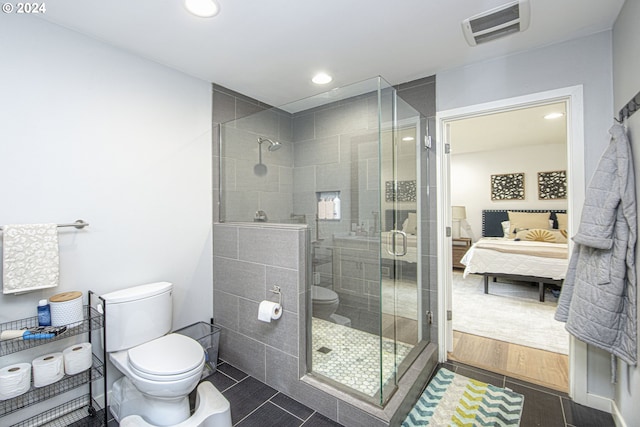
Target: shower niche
point(329, 206)
point(334, 155)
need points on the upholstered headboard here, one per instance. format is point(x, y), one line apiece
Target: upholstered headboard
point(401, 215)
point(492, 219)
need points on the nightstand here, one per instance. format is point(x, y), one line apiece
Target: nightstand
point(459, 247)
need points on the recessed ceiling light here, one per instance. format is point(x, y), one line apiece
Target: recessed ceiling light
point(202, 8)
point(552, 116)
point(321, 78)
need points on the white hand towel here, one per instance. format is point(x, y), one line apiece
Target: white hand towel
point(31, 259)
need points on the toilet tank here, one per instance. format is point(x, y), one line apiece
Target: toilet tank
point(137, 315)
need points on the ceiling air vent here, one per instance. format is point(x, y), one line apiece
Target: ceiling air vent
point(510, 18)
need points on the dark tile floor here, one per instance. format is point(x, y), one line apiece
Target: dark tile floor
point(254, 403)
point(542, 406)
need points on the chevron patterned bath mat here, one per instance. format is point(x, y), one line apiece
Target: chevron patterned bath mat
point(454, 400)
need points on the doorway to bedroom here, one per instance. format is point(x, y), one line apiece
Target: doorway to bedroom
point(508, 159)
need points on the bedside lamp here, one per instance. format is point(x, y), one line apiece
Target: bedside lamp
point(458, 213)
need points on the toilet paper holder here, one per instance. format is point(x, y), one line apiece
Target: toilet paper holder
point(276, 290)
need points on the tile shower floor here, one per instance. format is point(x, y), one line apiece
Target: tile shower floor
point(352, 357)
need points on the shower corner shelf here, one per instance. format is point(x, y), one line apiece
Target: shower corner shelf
point(76, 409)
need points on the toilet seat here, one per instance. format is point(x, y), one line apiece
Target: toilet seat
point(323, 295)
point(168, 358)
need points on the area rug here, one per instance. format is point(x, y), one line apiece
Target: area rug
point(455, 400)
point(510, 312)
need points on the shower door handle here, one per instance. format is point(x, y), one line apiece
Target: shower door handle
point(391, 243)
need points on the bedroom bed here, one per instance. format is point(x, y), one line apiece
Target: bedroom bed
point(522, 249)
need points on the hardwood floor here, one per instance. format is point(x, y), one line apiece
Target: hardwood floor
point(525, 363)
point(400, 328)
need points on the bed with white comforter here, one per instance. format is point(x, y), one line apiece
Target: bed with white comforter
point(524, 258)
point(516, 259)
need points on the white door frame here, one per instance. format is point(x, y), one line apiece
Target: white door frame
point(573, 99)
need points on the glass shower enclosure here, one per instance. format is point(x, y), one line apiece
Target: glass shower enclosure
point(345, 163)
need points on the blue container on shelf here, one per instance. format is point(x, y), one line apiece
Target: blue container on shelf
point(44, 313)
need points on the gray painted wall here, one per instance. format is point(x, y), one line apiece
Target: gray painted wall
point(626, 83)
point(585, 61)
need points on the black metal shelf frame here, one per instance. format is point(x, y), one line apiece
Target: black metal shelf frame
point(40, 394)
point(77, 412)
point(93, 320)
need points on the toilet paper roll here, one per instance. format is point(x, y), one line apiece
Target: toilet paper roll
point(14, 380)
point(77, 358)
point(66, 309)
point(269, 310)
point(47, 369)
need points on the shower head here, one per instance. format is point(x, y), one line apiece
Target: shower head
point(273, 145)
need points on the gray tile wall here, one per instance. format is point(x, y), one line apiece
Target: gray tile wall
point(250, 258)
point(421, 95)
point(248, 187)
point(337, 149)
point(329, 157)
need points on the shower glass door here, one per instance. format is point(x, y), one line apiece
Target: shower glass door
point(344, 163)
point(399, 239)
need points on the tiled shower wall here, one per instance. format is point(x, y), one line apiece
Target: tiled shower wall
point(249, 258)
point(246, 191)
point(421, 95)
point(337, 150)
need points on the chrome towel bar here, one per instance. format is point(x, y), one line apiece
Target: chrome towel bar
point(79, 224)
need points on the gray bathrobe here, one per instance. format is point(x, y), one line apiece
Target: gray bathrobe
point(598, 298)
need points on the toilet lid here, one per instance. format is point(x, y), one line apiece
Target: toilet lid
point(171, 354)
point(319, 293)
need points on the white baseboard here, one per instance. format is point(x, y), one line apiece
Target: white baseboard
point(617, 416)
point(600, 403)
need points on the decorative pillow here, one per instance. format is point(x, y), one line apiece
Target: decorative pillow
point(527, 221)
point(541, 235)
point(563, 221)
point(506, 229)
point(410, 225)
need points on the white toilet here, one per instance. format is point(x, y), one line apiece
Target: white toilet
point(159, 370)
point(324, 303)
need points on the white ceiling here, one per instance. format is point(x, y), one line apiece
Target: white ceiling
point(269, 49)
point(514, 128)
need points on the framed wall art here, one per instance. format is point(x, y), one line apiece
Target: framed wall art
point(552, 185)
point(405, 191)
point(508, 186)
